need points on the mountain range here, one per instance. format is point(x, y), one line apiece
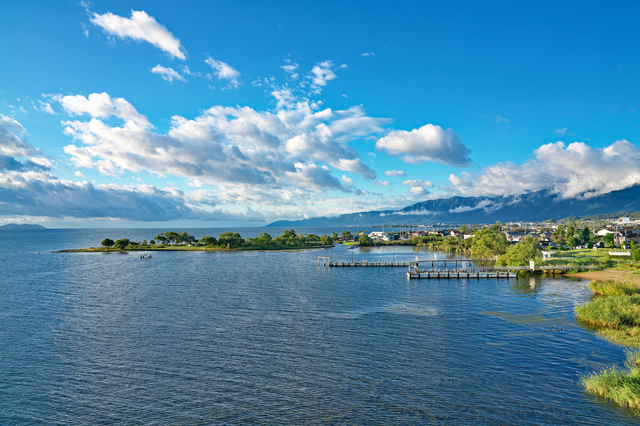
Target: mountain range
point(536, 206)
point(23, 227)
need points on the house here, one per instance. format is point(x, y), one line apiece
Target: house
point(603, 232)
point(379, 236)
point(513, 236)
point(547, 255)
point(456, 233)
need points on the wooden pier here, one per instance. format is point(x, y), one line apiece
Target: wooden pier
point(461, 268)
point(461, 274)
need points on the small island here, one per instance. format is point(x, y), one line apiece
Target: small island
point(21, 227)
point(226, 241)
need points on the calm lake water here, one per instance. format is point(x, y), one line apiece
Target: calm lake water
point(271, 338)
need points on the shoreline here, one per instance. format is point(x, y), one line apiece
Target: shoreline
point(106, 250)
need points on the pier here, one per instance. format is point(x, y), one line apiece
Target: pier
point(459, 268)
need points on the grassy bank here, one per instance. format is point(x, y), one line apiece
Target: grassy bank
point(615, 309)
point(621, 386)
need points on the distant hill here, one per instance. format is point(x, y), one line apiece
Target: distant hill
point(22, 227)
point(535, 206)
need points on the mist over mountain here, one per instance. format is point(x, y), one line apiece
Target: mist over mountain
point(530, 207)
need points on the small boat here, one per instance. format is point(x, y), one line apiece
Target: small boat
point(145, 255)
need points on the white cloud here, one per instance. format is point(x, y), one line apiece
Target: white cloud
point(168, 74)
point(320, 75)
point(560, 131)
point(368, 54)
point(101, 105)
point(381, 182)
point(224, 72)
point(569, 170)
point(500, 119)
point(140, 27)
point(395, 173)
point(418, 190)
point(13, 139)
point(79, 174)
point(347, 180)
point(46, 107)
point(418, 183)
point(428, 143)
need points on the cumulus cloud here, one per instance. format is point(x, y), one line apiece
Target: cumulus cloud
point(560, 131)
point(168, 74)
point(418, 183)
point(101, 105)
point(13, 139)
point(570, 170)
point(395, 173)
point(418, 190)
point(381, 182)
point(224, 72)
point(140, 27)
point(428, 143)
point(347, 180)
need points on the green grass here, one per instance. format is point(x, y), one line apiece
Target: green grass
point(612, 288)
point(621, 386)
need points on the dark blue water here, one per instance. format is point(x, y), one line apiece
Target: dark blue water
point(271, 338)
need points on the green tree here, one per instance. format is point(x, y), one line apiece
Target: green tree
point(144, 242)
point(152, 242)
point(207, 241)
point(326, 240)
point(488, 242)
point(346, 235)
point(334, 235)
point(122, 243)
point(586, 234)
point(365, 240)
point(572, 241)
point(521, 253)
point(107, 243)
point(609, 238)
point(162, 238)
point(230, 239)
point(570, 231)
point(171, 236)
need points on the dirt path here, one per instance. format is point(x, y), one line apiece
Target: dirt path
point(609, 274)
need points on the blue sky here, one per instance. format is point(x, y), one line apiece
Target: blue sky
point(242, 113)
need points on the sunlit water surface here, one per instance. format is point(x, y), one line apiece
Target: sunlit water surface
point(271, 338)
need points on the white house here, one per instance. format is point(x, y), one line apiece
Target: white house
point(377, 235)
point(603, 232)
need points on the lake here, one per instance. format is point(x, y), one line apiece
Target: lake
point(271, 338)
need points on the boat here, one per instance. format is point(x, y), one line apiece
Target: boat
point(145, 255)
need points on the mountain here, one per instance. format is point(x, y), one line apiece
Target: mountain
point(22, 227)
point(535, 206)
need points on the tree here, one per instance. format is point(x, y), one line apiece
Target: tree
point(365, 240)
point(326, 240)
point(586, 234)
point(521, 253)
point(162, 238)
point(608, 239)
point(334, 235)
point(572, 241)
point(107, 243)
point(144, 242)
point(122, 243)
point(152, 242)
point(489, 242)
point(171, 236)
point(346, 235)
point(207, 241)
point(570, 231)
point(230, 239)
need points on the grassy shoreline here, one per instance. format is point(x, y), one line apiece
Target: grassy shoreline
point(193, 248)
point(615, 310)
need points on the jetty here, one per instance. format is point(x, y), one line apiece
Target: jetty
point(455, 268)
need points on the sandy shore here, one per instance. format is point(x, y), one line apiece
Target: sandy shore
point(608, 274)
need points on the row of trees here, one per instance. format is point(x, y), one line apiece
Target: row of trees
point(229, 240)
